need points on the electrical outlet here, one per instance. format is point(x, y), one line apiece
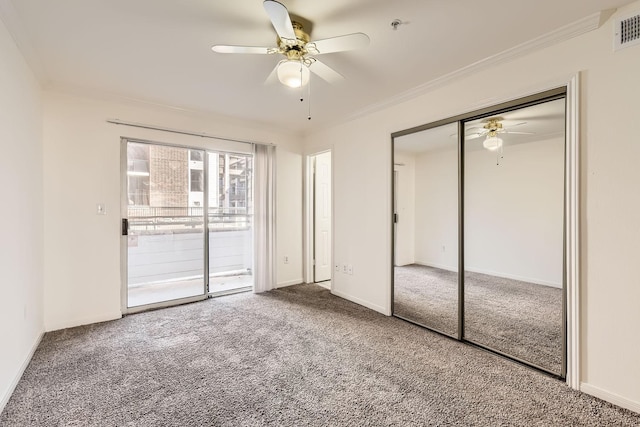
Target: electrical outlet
point(286, 259)
point(344, 268)
point(101, 209)
point(350, 269)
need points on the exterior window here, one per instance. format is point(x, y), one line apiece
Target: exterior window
point(197, 180)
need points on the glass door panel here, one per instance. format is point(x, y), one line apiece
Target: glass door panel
point(426, 228)
point(165, 242)
point(513, 233)
point(230, 221)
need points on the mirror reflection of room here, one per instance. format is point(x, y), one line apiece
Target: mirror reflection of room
point(513, 223)
point(426, 228)
point(513, 219)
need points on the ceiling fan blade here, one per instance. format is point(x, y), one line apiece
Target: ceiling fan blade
point(474, 135)
point(325, 72)
point(338, 44)
point(241, 49)
point(280, 19)
point(515, 124)
point(519, 133)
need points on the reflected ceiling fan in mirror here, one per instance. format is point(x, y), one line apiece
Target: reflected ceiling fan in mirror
point(299, 52)
point(490, 131)
point(492, 128)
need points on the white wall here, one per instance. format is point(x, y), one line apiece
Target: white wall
point(82, 168)
point(436, 195)
point(21, 215)
point(514, 212)
point(289, 215)
point(610, 200)
point(405, 208)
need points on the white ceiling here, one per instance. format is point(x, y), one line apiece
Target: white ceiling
point(159, 50)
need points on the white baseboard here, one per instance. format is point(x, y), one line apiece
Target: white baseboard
point(514, 277)
point(289, 283)
point(610, 397)
point(362, 302)
point(64, 324)
point(23, 367)
point(436, 265)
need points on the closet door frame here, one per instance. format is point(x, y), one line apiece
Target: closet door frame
point(571, 224)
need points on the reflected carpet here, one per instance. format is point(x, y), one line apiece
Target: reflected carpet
point(523, 320)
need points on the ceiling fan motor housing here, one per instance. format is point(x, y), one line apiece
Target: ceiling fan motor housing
point(294, 49)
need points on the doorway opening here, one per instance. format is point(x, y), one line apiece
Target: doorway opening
point(319, 219)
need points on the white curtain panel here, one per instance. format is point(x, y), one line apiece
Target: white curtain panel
point(264, 199)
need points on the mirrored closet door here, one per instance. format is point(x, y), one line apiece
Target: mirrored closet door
point(479, 229)
point(513, 233)
point(426, 228)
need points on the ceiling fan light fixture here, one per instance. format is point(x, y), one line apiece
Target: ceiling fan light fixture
point(293, 73)
point(492, 143)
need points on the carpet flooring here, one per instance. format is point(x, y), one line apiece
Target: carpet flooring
point(523, 320)
point(297, 356)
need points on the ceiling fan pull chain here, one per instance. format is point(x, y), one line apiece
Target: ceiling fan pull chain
point(301, 85)
point(499, 154)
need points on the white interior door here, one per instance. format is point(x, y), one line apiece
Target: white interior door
point(322, 217)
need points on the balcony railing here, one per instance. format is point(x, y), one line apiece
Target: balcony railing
point(186, 219)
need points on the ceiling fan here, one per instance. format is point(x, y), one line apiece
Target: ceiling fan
point(492, 128)
point(299, 52)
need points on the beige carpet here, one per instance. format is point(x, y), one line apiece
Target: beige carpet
point(291, 357)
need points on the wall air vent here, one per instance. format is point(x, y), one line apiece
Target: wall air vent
point(627, 31)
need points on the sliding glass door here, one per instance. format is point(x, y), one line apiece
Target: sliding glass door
point(230, 222)
point(171, 195)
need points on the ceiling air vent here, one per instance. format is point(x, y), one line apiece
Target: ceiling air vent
point(627, 31)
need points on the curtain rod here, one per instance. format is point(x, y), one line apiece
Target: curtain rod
point(181, 132)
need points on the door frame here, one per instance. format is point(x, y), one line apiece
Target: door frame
point(124, 203)
point(309, 220)
point(571, 261)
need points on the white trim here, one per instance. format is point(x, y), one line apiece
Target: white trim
point(572, 226)
point(436, 265)
point(18, 376)
point(514, 277)
point(582, 26)
point(308, 221)
point(379, 309)
point(289, 283)
point(610, 397)
point(106, 317)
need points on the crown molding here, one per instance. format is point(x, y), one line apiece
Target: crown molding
point(15, 27)
point(567, 32)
